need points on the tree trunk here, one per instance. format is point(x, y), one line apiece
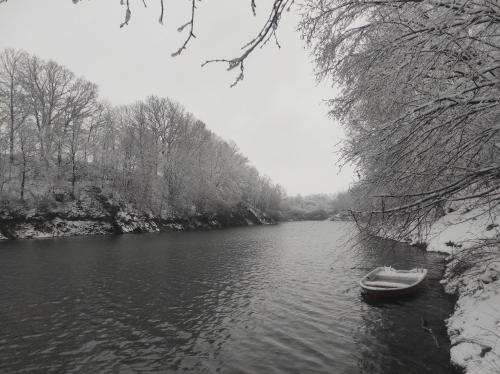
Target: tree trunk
point(73, 177)
point(23, 177)
point(11, 129)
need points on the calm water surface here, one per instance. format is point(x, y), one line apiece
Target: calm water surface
point(272, 299)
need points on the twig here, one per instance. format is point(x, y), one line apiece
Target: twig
point(128, 13)
point(191, 29)
point(429, 330)
point(267, 32)
point(161, 14)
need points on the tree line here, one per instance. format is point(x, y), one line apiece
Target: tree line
point(58, 137)
point(317, 206)
point(420, 101)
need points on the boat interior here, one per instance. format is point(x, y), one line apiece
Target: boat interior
point(392, 279)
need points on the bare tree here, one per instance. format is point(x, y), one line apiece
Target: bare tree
point(27, 140)
point(47, 86)
point(11, 95)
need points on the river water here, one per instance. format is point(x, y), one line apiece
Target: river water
point(268, 299)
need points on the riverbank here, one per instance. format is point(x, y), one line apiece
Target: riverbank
point(470, 238)
point(96, 214)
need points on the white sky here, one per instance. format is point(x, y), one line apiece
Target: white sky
point(275, 115)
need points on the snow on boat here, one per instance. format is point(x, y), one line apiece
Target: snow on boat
point(386, 281)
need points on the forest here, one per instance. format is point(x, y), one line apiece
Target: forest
point(59, 138)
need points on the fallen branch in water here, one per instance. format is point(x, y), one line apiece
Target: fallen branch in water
point(429, 330)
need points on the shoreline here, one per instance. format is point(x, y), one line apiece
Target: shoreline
point(60, 228)
point(192, 225)
point(472, 273)
point(95, 214)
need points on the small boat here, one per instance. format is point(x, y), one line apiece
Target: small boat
point(386, 281)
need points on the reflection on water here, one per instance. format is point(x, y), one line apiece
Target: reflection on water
point(274, 299)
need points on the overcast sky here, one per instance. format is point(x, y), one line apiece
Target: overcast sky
point(275, 115)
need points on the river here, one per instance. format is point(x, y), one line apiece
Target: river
point(266, 299)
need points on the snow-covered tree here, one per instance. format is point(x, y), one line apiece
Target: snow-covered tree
point(420, 95)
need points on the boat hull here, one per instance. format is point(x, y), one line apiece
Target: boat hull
point(385, 282)
point(391, 292)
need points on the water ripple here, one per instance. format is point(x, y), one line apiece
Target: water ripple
point(280, 299)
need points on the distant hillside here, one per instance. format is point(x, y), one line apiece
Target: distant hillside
point(316, 207)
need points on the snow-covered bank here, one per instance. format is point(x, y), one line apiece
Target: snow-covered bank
point(473, 274)
point(95, 214)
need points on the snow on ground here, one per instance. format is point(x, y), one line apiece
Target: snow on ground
point(59, 227)
point(462, 229)
point(473, 274)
